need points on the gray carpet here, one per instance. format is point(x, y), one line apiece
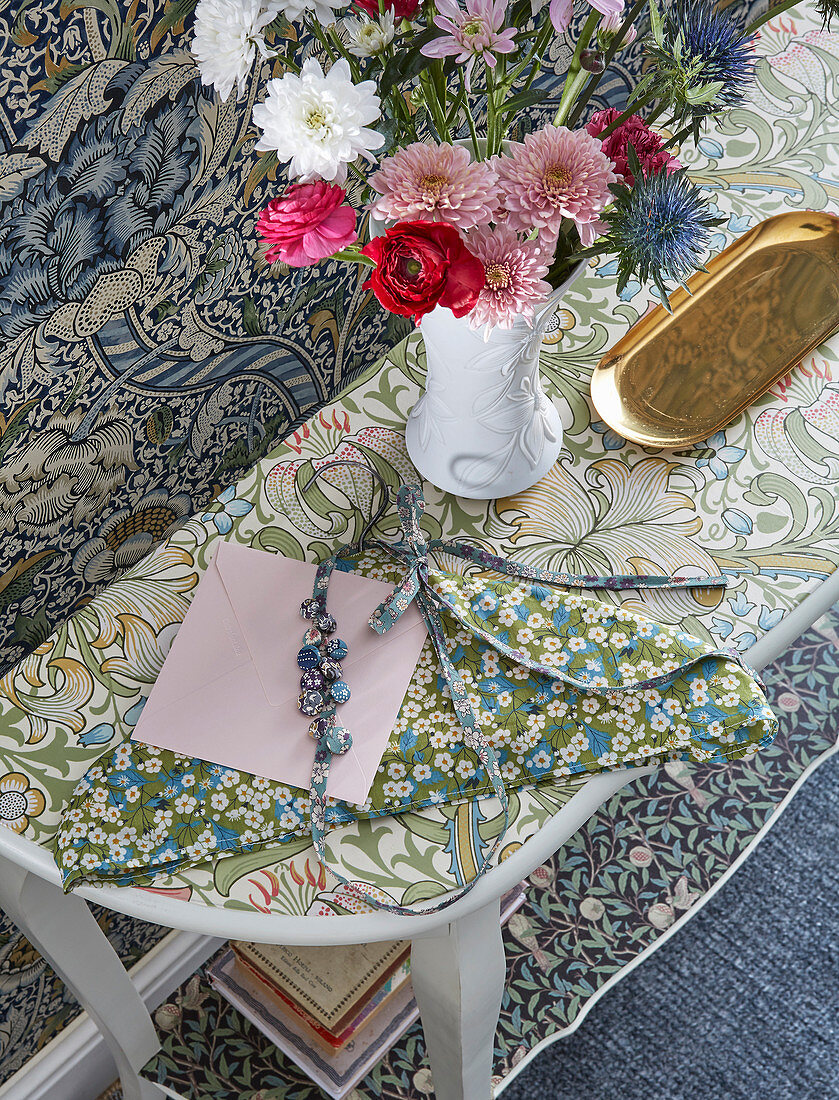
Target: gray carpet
point(742, 1004)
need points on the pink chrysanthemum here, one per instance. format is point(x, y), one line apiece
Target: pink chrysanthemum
point(553, 174)
point(438, 183)
point(514, 271)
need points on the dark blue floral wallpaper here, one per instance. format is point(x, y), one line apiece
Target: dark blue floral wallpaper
point(148, 353)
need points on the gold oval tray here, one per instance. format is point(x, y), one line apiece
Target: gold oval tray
point(763, 304)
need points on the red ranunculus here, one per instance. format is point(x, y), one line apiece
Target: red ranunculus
point(420, 265)
point(402, 9)
point(632, 131)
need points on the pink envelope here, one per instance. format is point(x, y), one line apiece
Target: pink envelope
point(227, 691)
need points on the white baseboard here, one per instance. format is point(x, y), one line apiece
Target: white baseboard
point(76, 1064)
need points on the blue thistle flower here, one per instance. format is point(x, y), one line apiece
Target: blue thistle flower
point(659, 229)
point(701, 60)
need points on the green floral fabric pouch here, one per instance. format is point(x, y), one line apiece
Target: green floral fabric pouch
point(519, 683)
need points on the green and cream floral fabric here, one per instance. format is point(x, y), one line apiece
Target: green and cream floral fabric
point(758, 501)
point(596, 687)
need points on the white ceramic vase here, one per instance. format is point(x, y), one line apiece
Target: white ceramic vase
point(484, 427)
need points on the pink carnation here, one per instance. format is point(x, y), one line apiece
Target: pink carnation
point(514, 271)
point(633, 131)
point(307, 224)
point(438, 183)
point(402, 9)
point(553, 174)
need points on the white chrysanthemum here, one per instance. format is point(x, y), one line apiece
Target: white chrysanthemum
point(368, 37)
point(228, 35)
point(323, 10)
point(318, 123)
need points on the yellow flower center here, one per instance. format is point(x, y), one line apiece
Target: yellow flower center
point(315, 118)
point(556, 179)
point(433, 184)
point(497, 276)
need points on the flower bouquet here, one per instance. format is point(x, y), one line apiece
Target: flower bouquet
point(431, 144)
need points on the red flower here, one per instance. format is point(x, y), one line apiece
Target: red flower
point(633, 131)
point(420, 265)
point(307, 224)
point(402, 9)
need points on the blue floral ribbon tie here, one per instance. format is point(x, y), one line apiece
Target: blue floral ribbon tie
point(413, 551)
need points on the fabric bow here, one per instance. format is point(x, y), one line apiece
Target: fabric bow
point(413, 551)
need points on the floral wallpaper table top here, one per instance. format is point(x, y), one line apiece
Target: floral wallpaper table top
point(757, 502)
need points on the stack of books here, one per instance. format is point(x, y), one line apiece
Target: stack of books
point(334, 1011)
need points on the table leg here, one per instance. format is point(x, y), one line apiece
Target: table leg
point(65, 932)
point(458, 979)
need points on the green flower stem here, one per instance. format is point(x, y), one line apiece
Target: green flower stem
point(357, 172)
point(777, 10)
point(534, 59)
point(315, 30)
point(496, 93)
point(624, 115)
point(576, 75)
point(433, 82)
point(285, 61)
point(441, 91)
point(398, 106)
point(470, 118)
point(435, 110)
point(612, 49)
point(395, 98)
point(355, 68)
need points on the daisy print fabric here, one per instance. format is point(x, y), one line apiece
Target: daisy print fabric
point(561, 683)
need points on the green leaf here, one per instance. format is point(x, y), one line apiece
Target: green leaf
point(251, 320)
point(656, 25)
point(640, 88)
point(407, 63)
point(227, 872)
point(421, 891)
point(704, 93)
point(389, 128)
point(634, 163)
point(522, 100)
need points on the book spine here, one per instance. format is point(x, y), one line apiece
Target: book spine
point(335, 1042)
